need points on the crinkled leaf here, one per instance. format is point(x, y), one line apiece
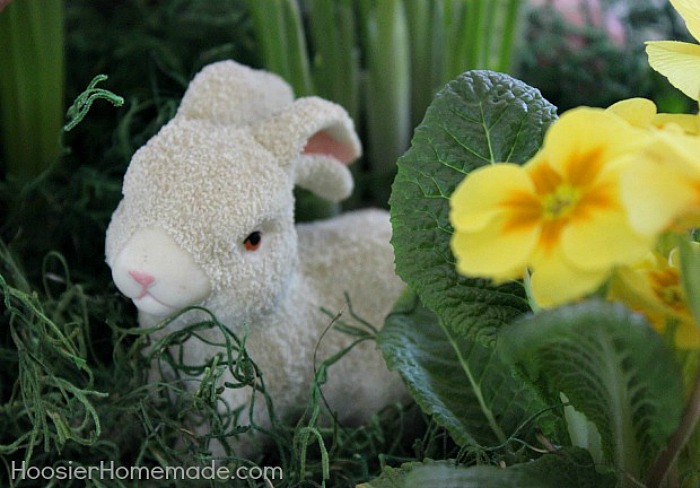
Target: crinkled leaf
point(479, 118)
point(465, 386)
point(612, 367)
point(569, 468)
point(392, 477)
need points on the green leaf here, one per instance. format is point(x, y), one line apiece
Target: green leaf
point(392, 477)
point(569, 468)
point(613, 368)
point(466, 387)
point(479, 118)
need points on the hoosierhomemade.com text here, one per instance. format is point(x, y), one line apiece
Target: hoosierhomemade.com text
point(109, 470)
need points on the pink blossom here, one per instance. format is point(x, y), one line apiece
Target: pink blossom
point(580, 13)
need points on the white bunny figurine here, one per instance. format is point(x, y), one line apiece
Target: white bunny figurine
point(207, 218)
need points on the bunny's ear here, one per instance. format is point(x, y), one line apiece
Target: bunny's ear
point(227, 92)
point(317, 139)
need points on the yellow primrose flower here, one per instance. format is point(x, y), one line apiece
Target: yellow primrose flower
point(560, 215)
point(662, 191)
point(680, 61)
point(653, 287)
point(641, 112)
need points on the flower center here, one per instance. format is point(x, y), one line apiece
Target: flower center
point(561, 202)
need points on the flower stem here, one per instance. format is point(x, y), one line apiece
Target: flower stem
point(667, 457)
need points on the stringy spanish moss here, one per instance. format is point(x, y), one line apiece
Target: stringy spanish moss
point(63, 398)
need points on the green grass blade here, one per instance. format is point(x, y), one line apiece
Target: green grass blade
point(509, 33)
point(480, 34)
point(282, 45)
point(439, 53)
point(349, 69)
point(489, 35)
point(388, 89)
point(336, 60)
point(455, 39)
point(325, 42)
point(31, 85)
point(269, 26)
point(424, 54)
point(336, 63)
point(477, 11)
point(295, 45)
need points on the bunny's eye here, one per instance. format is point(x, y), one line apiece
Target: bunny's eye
point(253, 241)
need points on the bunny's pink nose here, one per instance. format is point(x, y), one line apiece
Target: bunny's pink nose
point(144, 279)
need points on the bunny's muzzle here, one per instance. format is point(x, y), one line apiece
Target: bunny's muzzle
point(158, 275)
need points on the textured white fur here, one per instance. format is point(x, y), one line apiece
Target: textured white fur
point(224, 167)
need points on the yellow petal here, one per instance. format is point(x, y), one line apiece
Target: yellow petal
point(671, 177)
point(690, 11)
point(630, 285)
point(690, 124)
point(604, 239)
point(637, 111)
point(555, 281)
point(679, 150)
point(679, 62)
point(654, 196)
point(641, 113)
point(583, 130)
point(477, 199)
point(493, 252)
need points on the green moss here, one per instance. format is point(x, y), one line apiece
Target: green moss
point(75, 392)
